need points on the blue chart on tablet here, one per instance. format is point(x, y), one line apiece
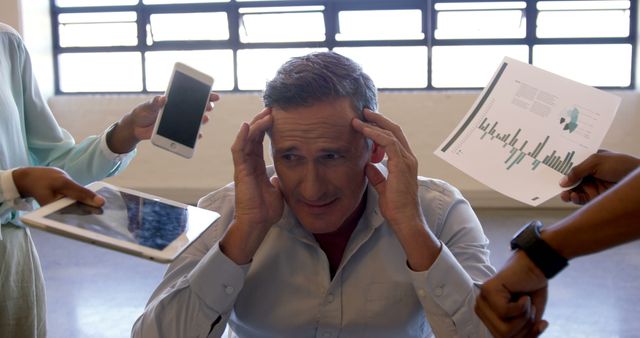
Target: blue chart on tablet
point(527, 129)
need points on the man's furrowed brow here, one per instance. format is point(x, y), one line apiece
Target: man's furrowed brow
point(284, 150)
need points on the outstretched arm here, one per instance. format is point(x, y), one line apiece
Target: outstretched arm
point(611, 219)
point(519, 290)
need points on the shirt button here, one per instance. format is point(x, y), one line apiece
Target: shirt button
point(438, 292)
point(330, 298)
point(422, 293)
point(229, 289)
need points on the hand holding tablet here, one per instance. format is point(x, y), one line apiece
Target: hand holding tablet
point(130, 221)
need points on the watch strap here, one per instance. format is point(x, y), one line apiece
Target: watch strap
point(548, 260)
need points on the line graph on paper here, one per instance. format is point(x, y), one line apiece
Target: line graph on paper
point(527, 129)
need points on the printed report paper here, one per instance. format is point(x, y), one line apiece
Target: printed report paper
point(527, 129)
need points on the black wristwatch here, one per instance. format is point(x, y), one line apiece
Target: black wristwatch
point(548, 260)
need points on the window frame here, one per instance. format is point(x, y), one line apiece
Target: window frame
point(331, 10)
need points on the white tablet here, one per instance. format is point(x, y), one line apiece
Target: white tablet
point(130, 221)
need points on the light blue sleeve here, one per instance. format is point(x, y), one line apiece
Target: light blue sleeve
point(50, 145)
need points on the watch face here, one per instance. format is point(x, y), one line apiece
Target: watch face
point(527, 236)
point(549, 261)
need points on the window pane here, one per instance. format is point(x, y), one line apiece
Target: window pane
point(589, 4)
point(153, 2)
point(470, 66)
point(477, 5)
point(594, 65)
point(85, 3)
point(569, 19)
point(98, 29)
point(100, 72)
point(389, 25)
point(285, 24)
point(480, 20)
point(217, 63)
point(189, 26)
point(392, 67)
point(257, 66)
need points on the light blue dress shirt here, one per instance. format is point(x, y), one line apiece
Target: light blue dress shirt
point(30, 135)
point(286, 291)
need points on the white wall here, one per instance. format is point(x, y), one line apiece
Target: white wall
point(427, 118)
point(10, 13)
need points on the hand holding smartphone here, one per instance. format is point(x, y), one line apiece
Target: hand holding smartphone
point(178, 124)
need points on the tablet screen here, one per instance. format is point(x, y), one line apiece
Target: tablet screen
point(131, 218)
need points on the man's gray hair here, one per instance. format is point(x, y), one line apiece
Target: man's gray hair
point(318, 77)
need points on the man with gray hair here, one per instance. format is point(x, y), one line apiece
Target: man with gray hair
point(332, 240)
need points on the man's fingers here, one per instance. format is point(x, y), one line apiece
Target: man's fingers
point(250, 138)
point(259, 127)
point(275, 182)
point(387, 124)
point(239, 145)
point(266, 111)
point(374, 175)
point(384, 138)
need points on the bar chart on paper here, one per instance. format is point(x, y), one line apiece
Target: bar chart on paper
point(527, 129)
point(517, 152)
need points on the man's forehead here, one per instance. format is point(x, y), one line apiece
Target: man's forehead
point(337, 112)
point(327, 123)
point(320, 130)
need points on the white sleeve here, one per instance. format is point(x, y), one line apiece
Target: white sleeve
point(194, 299)
point(448, 289)
point(199, 290)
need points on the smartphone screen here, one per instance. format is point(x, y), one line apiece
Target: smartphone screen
point(182, 114)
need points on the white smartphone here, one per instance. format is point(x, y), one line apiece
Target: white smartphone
point(130, 221)
point(178, 124)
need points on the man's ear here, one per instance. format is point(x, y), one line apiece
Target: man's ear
point(377, 153)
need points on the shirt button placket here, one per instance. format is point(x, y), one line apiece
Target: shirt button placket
point(330, 315)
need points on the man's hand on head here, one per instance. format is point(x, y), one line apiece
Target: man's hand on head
point(259, 202)
point(398, 192)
